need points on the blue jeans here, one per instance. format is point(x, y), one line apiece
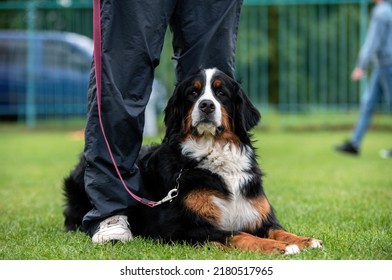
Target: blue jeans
point(380, 83)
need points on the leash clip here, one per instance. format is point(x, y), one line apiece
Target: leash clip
point(170, 196)
point(173, 193)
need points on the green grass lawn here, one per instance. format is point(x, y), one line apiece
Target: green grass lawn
point(345, 201)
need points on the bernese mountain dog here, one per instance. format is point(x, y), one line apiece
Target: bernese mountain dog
point(207, 158)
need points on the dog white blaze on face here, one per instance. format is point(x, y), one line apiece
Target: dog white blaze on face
point(206, 114)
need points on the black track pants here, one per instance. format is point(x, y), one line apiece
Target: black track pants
point(204, 36)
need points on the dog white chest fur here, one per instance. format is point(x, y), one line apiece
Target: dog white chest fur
point(233, 165)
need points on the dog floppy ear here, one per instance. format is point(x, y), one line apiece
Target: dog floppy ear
point(173, 113)
point(247, 115)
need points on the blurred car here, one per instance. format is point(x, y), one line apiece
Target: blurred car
point(61, 67)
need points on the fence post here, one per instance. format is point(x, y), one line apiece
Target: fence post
point(30, 91)
point(364, 21)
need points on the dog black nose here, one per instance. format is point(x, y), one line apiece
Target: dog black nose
point(207, 106)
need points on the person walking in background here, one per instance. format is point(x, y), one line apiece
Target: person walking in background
point(377, 48)
point(133, 32)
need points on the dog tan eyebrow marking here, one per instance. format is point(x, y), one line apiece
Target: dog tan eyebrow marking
point(217, 84)
point(197, 85)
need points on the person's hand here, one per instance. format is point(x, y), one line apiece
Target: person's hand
point(357, 74)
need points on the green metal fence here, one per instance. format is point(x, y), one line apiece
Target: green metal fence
point(292, 56)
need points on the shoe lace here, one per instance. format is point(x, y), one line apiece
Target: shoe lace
point(114, 221)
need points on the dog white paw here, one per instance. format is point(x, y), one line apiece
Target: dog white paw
point(316, 243)
point(292, 249)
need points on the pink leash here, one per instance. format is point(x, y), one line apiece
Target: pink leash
point(98, 77)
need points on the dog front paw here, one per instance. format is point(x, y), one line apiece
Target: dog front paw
point(315, 243)
point(292, 250)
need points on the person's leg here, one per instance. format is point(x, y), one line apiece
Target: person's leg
point(386, 84)
point(368, 105)
point(205, 35)
point(386, 81)
point(132, 39)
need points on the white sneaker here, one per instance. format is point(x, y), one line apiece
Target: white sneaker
point(115, 228)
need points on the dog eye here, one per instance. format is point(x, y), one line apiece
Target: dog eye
point(220, 93)
point(193, 94)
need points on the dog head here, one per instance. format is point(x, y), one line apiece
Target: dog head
point(210, 104)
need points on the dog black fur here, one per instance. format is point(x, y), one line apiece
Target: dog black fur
point(220, 194)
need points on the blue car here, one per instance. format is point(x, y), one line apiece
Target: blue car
point(59, 73)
